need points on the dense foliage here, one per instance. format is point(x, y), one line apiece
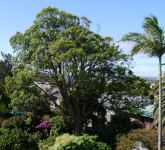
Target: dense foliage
point(64, 78)
point(16, 139)
point(25, 96)
point(14, 122)
point(72, 142)
point(6, 67)
point(85, 66)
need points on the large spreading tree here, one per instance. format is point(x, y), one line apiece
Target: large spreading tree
point(82, 64)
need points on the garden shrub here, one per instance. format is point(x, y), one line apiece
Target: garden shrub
point(14, 122)
point(62, 140)
point(3, 109)
point(44, 128)
point(36, 135)
point(46, 143)
point(71, 142)
point(44, 124)
point(120, 124)
point(16, 139)
point(57, 125)
point(147, 137)
point(32, 122)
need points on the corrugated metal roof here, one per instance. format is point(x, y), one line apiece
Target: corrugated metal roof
point(148, 111)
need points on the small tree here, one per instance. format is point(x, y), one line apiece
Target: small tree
point(24, 94)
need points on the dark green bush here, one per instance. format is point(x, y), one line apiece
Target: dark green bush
point(120, 124)
point(57, 125)
point(14, 122)
point(147, 137)
point(3, 109)
point(16, 139)
point(36, 135)
point(71, 142)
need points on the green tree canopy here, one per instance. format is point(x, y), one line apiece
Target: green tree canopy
point(5, 71)
point(24, 94)
point(81, 63)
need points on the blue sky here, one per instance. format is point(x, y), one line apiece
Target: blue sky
point(115, 17)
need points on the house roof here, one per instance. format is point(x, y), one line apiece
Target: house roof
point(148, 111)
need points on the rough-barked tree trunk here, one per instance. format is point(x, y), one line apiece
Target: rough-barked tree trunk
point(78, 124)
point(73, 110)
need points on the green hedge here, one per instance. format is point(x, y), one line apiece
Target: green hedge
point(14, 122)
point(57, 125)
point(46, 143)
point(16, 139)
point(71, 142)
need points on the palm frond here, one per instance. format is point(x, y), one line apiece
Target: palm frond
point(151, 42)
point(136, 48)
point(156, 110)
point(151, 23)
point(143, 44)
point(152, 28)
point(132, 37)
point(137, 38)
point(156, 102)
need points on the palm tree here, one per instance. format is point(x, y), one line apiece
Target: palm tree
point(154, 92)
point(151, 43)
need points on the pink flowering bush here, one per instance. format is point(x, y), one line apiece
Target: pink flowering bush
point(44, 124)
